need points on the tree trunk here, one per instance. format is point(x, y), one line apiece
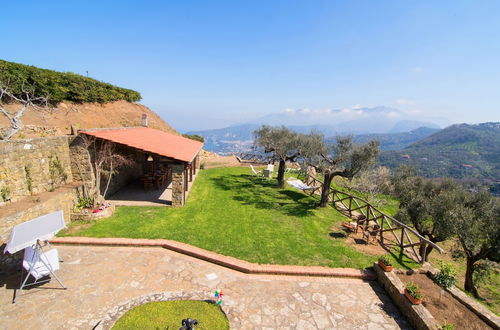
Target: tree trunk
point(281, 173)
point(425, 248)
point(469, 282)
point(326, 190)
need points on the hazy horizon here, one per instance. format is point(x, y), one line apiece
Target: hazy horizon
point(214, 64)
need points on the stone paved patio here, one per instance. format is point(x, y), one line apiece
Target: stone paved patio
point(105, 281)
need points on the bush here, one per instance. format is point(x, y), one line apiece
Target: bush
point(413, 289)
point(195, 137)
point(60, 86)
point(446, 276)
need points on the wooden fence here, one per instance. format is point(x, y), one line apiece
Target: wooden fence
point(352, 204)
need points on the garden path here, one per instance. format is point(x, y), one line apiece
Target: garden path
point(104, 281)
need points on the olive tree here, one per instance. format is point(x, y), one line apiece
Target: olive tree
point(282, 142)
point(340, 158)
point(24, 100)
point(423, 203)
point(475, 220)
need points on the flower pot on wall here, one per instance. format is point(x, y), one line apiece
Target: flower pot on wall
point(413, 300)
point(385, 267)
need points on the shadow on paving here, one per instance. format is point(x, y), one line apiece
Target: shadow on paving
point(388, 307)
point(264, 194)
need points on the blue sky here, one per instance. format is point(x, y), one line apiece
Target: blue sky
point(206, 64)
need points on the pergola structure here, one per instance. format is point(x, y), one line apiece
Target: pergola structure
point(153, 151)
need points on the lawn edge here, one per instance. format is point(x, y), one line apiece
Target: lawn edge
point(219, 259)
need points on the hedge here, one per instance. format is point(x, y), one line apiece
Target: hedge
point(61, 86)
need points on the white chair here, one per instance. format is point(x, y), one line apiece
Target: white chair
point(270, 167)
point(256, 173)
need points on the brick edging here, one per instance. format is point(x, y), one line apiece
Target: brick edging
point(219, 259)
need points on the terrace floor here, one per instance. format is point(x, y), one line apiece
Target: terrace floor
point(134, 194)
point(103, 282)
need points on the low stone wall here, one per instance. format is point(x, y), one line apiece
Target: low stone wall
point(418, 316)
point(35, 206)
point(31, 207)
point(107, 212)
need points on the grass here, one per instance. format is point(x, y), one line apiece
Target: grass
point(169, 315)
point(234, 213)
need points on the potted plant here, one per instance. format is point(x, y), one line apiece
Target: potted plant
point(412, 292)
point(385, 263)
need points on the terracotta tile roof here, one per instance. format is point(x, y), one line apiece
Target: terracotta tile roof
point(151, 140)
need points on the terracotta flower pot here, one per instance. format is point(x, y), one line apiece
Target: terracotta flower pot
point(412, 299)
point(385, 267)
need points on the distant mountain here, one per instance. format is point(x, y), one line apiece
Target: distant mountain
point(239, 138)
point(458, 151)
point(396, 141)
point(355, 120)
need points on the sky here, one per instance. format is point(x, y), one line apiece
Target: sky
point(210, 64)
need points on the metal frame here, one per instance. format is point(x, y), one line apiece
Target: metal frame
point(37, 254)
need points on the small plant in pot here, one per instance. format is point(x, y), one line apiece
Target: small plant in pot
point(412, 292)
point(385, 263)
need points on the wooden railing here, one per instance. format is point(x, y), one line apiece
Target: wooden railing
point(354, 204)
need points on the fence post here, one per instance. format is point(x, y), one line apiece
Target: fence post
point(424, 251)
point(402, 237)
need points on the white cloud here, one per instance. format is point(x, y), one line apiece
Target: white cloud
point(393, 114)
point(405, 102)
point(418, 69)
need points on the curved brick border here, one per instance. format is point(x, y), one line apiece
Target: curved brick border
point(219, 259)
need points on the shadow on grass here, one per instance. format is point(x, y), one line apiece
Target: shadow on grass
point(264, 194)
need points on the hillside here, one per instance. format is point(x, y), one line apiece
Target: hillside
point(458, 151)
point(60, 86)
point(73, 100)
point(84, 115)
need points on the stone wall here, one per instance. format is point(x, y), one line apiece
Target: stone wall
point(125, 174)
point(33, 166)
point(81, 166)
point(178, 184)
point(61, 199)
point(418, 316)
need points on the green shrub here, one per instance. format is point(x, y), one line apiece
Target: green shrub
point(29, 179)
point(385, 260)
point(195, 137)
point(446, 326)
point(446, 276)
point(413, 289)
point(5, 193)
point(56, 171)
point(84, 202)
point(61, 86)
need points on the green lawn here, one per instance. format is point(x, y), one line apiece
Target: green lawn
point(231, 212)
point(169, 315)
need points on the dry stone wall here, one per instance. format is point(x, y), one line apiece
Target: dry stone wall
point(33, 166)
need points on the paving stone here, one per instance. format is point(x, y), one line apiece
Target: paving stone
point(104, 282)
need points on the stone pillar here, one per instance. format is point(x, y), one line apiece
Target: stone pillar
point(178, 182)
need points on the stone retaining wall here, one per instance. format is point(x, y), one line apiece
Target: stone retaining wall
point(32, 207)
point(418, 316)
point(30, 166)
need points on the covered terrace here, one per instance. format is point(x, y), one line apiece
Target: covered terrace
point(162, 166)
